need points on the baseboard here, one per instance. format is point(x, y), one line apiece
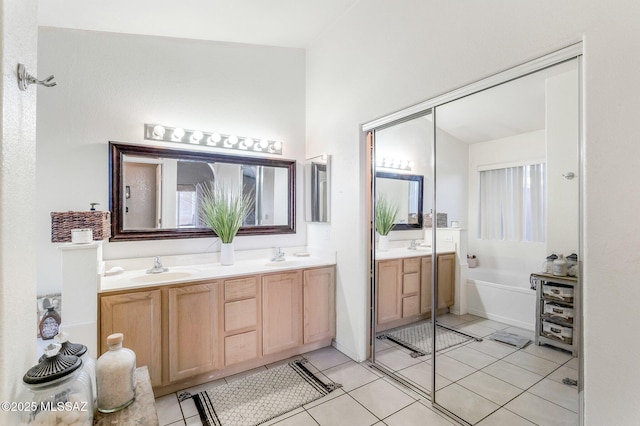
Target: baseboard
point(504, 320)
point(347, 351)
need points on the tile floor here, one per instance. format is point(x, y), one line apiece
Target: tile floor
point(487, 383)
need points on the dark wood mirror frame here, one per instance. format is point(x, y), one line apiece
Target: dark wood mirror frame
point(117, 150)
point(412, 178)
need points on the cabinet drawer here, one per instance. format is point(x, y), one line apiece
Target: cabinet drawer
point(411, 265)
point(240, 315)
point(558, 311)
point(558, 292)
point(410, 306)
point(240, 347)
point(241, 288)
point(410, 283)
point(557, 332)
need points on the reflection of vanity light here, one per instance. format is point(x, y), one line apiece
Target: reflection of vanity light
point(214, 139)
point(196, 137)
point(178, 134)
point(394, 163)
point(159, 132)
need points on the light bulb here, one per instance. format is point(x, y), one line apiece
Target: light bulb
point(410, 164)
point(403, 164)
point(196, 137)
point(158, 132)
point(277, 145)
point(214, 139)
point(178, 133)
point(232, 139)
point(264, 143)
point(248, 142)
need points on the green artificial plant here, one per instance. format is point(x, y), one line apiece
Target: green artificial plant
point(386, 214)
point(223, 208)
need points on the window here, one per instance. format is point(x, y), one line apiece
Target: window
point(187, 206)
point(512, 203)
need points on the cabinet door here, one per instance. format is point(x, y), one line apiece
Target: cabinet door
point(319, 304)
point(194, 324)
point(446, 279)
point(138, 316)
point(389, 297)
point(426, 288)
point(281, 312)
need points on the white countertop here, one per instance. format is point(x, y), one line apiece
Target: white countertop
point(183, 269)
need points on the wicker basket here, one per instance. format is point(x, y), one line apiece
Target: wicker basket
point(63, 222)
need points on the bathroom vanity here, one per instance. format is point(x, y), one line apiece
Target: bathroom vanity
point(201, 325)
point(404, 286)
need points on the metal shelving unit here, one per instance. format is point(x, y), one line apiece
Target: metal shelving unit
point(557, 311)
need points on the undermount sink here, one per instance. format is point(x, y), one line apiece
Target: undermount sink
point(164, 276)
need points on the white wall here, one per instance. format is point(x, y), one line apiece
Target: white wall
point(18, 31)
point(383, 56)
point(109, 85)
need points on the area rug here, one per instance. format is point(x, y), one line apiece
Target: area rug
point(417, 338)
point(260, 397)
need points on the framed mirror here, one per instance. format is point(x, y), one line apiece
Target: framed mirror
point(317, 175)
point(154, 191)
point(406, 191)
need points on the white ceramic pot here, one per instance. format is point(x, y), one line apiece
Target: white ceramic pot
point(226, 253)
point(383, 242)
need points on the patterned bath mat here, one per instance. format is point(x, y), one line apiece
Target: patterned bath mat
point(260, 397)
point(418, 338)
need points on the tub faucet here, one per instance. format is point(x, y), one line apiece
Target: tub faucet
point(412, 245)
point(157, 267)
point(278, 255)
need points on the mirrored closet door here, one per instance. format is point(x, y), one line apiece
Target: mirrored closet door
point(466, 307)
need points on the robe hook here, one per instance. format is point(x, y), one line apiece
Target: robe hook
point(25, 79)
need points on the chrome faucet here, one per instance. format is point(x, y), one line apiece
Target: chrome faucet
point(157, 267)
point(412, 245)
point(278, 255)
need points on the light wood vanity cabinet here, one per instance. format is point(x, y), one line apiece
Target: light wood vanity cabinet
point(192, 333)
point(194, 324)
point(138, 315)
point(404, 289)
point(281, 312)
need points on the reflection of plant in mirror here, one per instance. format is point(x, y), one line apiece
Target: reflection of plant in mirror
point(386, 214)
point(223, 208)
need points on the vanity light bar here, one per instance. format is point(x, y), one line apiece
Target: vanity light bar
point(394, 163)
point(158, 132)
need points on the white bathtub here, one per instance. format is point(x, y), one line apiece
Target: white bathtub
point(501, 295)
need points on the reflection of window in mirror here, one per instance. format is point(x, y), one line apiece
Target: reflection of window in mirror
point(317, 188)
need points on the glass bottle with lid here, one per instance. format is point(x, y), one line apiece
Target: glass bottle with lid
point(115, 379)
point(57, 391)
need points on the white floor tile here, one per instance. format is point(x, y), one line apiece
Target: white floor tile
point(452, 369)
point(381, 398)
point(532, 363)
point(558, 393)
point(168, 409)
point(562, 373)
point(420, 374)
point(491, 324)
point(549, 352)
point(188, 408)
point(490, 387)
point(450, 320)
point(295, 417)
point(573, 363)
point(513, 374)
point(493, 348)
point(336, 393)
point(417, 414)
point(193, 421)
point(465, 404)
point(521, 332)
point(471, 357)
point(178, 423)
point(341, 411)
point(396, 359)
point(541, 411)
point(351, 375)
point(476, 330)
point(504, 417)
point(326, 358)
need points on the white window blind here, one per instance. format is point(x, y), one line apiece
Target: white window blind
point(512, 203)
